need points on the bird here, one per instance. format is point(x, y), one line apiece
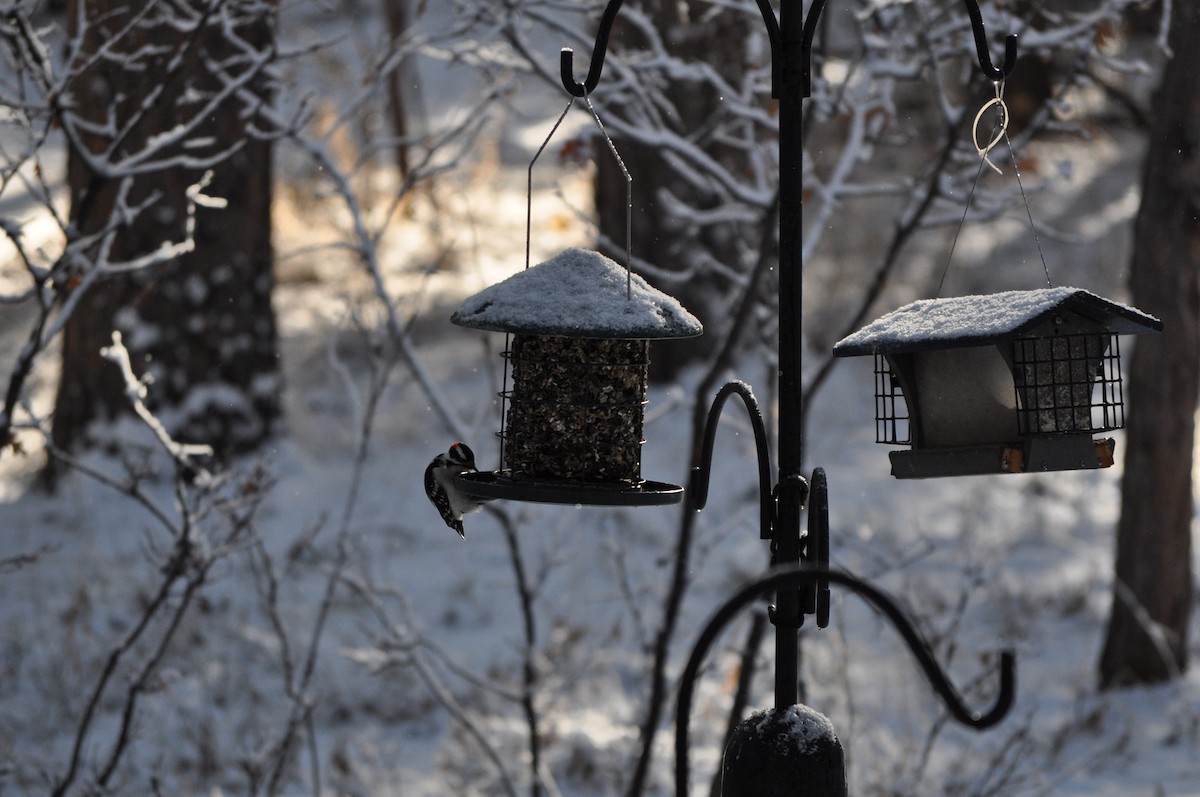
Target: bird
point(450, 502)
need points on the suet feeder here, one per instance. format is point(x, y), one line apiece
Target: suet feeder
point(580, 327)
point(1011, 382)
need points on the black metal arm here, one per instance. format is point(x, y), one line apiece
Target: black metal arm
point(698, 488)
point(567, 56)
point(792, 577)
point(981, 46)
point(577, 89)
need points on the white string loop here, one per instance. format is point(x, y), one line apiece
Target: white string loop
point(1001, 128)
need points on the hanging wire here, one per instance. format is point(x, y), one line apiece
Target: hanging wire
point(529, 181)
point(529, 232)
point(628, 189)
point(1028, 212)
point(970, 195)
point(628, 199)
point(528, 247)
point(999, 133)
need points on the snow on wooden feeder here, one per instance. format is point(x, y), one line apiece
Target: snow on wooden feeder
point(1004, 383)
point(581, 326)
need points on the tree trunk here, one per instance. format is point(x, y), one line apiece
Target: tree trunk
point(1147, 632)
point(400, 82)
point(201, 324)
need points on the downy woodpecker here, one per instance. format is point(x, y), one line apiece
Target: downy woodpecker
point(450, 503)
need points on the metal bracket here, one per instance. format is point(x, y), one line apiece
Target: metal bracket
point(698, 488)
point(609, 17)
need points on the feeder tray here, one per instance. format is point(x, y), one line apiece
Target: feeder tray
point(579, 359)
point(497, 484)
point(1005, 383)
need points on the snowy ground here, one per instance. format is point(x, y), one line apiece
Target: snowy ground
point(985, 562)
point(416, 673)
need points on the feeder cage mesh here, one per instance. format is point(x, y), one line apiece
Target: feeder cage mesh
point(575, 409)
point(1068, 383)
point(891, 409)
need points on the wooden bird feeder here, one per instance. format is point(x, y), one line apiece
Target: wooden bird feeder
point(1011, 382)
point(581, 326)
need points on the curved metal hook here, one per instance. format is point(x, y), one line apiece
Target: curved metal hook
point(920, 648)
point(981, 46)
point(698, 489)
point(609, 17)
point(566, 64)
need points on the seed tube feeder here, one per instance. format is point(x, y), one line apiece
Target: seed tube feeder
point(581, 325)
point(1011, 382)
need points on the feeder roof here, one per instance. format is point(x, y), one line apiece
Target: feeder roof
point(577, 293)
point(980, 320)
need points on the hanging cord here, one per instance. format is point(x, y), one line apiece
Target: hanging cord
point(999, 133)
point(628, 199)
point(1028, 212)
point(975, 183)
point(961, 223)
point(529, 182)
point(628, 189)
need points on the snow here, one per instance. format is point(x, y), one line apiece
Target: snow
point(982, 564)
point(807, 729)
point(1013, 561)
point(965, 320)
point(578, 293)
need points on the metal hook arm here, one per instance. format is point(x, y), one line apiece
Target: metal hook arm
point(609, 17)
point(600, 49)
point(567, 56)
point(786, 578)
point(698, 489)
point(981, 46)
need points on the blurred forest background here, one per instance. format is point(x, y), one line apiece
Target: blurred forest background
point(231, 232)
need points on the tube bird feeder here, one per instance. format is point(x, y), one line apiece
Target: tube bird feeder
point(580, 327)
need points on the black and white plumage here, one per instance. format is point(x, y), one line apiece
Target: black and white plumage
point(450, 503)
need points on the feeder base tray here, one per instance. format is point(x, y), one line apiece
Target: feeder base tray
point(497, 484)
point(1055, 453)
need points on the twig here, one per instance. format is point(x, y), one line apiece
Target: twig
point(401, 638)
point(11, 564)
point(527, 597)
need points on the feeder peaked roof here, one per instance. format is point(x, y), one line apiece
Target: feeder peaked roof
point(581, 294)
point(980, 320)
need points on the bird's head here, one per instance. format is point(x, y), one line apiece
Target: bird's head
point(461, 454)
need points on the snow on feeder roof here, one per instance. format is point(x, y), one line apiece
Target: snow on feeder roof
point(979, 320)
point(1004, 383)
point(578, 293)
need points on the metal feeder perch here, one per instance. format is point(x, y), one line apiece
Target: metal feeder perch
point(581, 326)
point(1005, 383)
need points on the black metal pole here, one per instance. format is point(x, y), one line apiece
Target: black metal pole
point(791, 46)
point(791, 489)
